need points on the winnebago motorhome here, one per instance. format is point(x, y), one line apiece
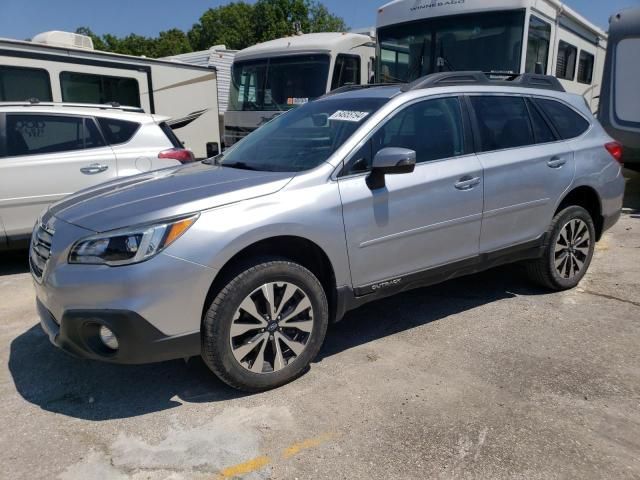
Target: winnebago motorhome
point(418, 37)
point(620, 98)
point(281, 74)
point(64, 67)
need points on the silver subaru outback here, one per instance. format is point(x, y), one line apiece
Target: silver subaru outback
point(246, 258)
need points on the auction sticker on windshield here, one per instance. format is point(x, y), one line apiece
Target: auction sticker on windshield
point(348, 116)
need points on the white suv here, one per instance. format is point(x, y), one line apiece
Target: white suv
point(50, 150)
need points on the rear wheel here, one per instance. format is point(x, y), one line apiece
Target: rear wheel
point(265, 326)
point(568, 251)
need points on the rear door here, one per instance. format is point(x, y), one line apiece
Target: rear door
point(526, 169)
point(48, 156)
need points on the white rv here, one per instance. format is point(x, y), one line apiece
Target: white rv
point(64, 67)
point(278, 75)
point(418, 37)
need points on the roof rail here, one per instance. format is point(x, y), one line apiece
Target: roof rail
point(526, 80)
point(352, 87)
point(34, 102)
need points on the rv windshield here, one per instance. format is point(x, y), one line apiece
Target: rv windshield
point(303, 138)
point(489, 42)
point(279, 83)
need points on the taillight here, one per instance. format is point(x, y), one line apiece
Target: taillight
point(183, 155)
point(615, 149)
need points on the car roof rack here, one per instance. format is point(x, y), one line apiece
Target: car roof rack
point(352, 87)
point(34, 102)
point(525, 80)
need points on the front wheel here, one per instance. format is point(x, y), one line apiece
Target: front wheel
point(568, 251)
point(265, 326)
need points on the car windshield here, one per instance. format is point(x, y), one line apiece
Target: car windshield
point(272, 84)
point(303, 138)
point(487, 42)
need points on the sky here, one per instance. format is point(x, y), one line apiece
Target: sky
point(23, 19)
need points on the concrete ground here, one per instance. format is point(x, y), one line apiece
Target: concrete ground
point(481, 377)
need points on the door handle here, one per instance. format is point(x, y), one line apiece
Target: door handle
point(467, 182)
point(94, 168)
point(556, 162)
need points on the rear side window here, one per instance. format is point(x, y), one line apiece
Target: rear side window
point(168, 131)
point(40, 134)
point(585, 67)
point(89, 88)
point(117, 131)
point(503, 122)
point(346, 71)
point(19, 84)
point(566, 63)
point(541, 130)
point(566, 121)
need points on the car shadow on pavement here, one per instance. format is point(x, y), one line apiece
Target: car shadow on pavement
point(14, 262)
point(85, 389)
point(632, 193)
point(425, 305)
point(91, 390)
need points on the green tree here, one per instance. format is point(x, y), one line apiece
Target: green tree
point(172, 42)
point(321, 20)
point(230, 25)
point(237, 25)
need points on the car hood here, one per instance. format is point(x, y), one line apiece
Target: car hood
point(162, 194)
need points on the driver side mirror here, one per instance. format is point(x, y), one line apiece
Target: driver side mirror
point(390, 161)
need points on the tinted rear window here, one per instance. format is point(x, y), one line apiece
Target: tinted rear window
point(117, 131)
point(541, 129)
point(175, 141)
point(503, 122)
point(567, 122)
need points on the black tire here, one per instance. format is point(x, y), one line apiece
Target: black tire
point(216, 344)
point(543, 270)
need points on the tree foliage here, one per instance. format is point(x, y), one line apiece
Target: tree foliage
point(236, 25)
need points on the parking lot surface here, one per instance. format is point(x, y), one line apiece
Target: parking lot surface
point(481, 377)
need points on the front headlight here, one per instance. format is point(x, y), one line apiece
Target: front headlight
point(131, 245)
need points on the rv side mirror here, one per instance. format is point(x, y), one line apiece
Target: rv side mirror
point(213, 149)
point(539, 69)
point(390, 161)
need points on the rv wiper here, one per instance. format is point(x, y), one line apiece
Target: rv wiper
point(239, 166)
point(443, 62)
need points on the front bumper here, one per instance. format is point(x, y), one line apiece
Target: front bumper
point(139, 341)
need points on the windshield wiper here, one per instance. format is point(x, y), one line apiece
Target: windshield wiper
point(443, 62)
point(213, 160)
point(239, 166)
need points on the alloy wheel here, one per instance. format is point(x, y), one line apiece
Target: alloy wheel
point(271, 327)
point(572, 248)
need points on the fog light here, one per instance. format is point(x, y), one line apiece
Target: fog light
point(108, 338)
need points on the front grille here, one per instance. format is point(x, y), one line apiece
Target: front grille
point(40, 250)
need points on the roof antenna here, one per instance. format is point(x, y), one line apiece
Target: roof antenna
point(33, 100)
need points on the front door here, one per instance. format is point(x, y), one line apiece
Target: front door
point(48, 156)
point(419, 220)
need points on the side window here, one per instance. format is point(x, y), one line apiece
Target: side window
point(346, 71)
point(541, 130)
point(538, 45)
point(18, 84)
point(585, 67)
point(566, 63)
point(117, 131)
point(567, 122)
point(503, 122)
point(89, 88)
point(40, 134)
